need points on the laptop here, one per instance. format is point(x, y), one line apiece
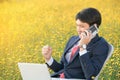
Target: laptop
point(33, 71)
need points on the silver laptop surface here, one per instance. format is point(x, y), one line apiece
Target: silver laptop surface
point(31, 71)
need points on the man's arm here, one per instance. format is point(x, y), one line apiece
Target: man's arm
point(55, 66)
point(91, 65)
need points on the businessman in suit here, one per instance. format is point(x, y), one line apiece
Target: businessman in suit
point(90, 50)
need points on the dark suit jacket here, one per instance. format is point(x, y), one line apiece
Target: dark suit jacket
point(85, 66)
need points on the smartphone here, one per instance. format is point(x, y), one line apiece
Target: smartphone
point(93, 29)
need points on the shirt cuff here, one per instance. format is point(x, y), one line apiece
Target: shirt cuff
point(82, 52)
point(50, 61)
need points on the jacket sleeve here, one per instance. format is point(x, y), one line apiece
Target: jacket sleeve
point(92, 64)
point(56, 66)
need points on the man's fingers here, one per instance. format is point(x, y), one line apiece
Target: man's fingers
point(47, 46)
point(87, 33)
point(46, 49)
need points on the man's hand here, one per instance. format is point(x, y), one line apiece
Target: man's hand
point(47, 52)
point(85, 38)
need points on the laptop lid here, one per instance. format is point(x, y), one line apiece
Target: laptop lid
point(33, 71)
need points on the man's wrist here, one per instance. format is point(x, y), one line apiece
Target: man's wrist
point(50, 61)
point(82, 52)
point(82, 46)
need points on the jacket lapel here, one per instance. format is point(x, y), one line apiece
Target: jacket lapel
point(72, 43)
point(70, 46)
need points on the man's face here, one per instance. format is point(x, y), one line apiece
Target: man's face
point(81, 26)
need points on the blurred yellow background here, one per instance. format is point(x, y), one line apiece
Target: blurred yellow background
point(27, 25)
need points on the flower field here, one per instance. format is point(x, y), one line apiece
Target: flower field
point(27, 25)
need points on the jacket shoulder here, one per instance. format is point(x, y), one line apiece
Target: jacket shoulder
point(74, 37)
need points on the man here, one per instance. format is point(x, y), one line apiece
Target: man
point(90, 54)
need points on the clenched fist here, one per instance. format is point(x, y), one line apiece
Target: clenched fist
point(47, 52)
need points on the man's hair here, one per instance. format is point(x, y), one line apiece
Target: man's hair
point(90, 16)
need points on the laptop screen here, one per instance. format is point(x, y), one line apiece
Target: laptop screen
point(33, 71)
